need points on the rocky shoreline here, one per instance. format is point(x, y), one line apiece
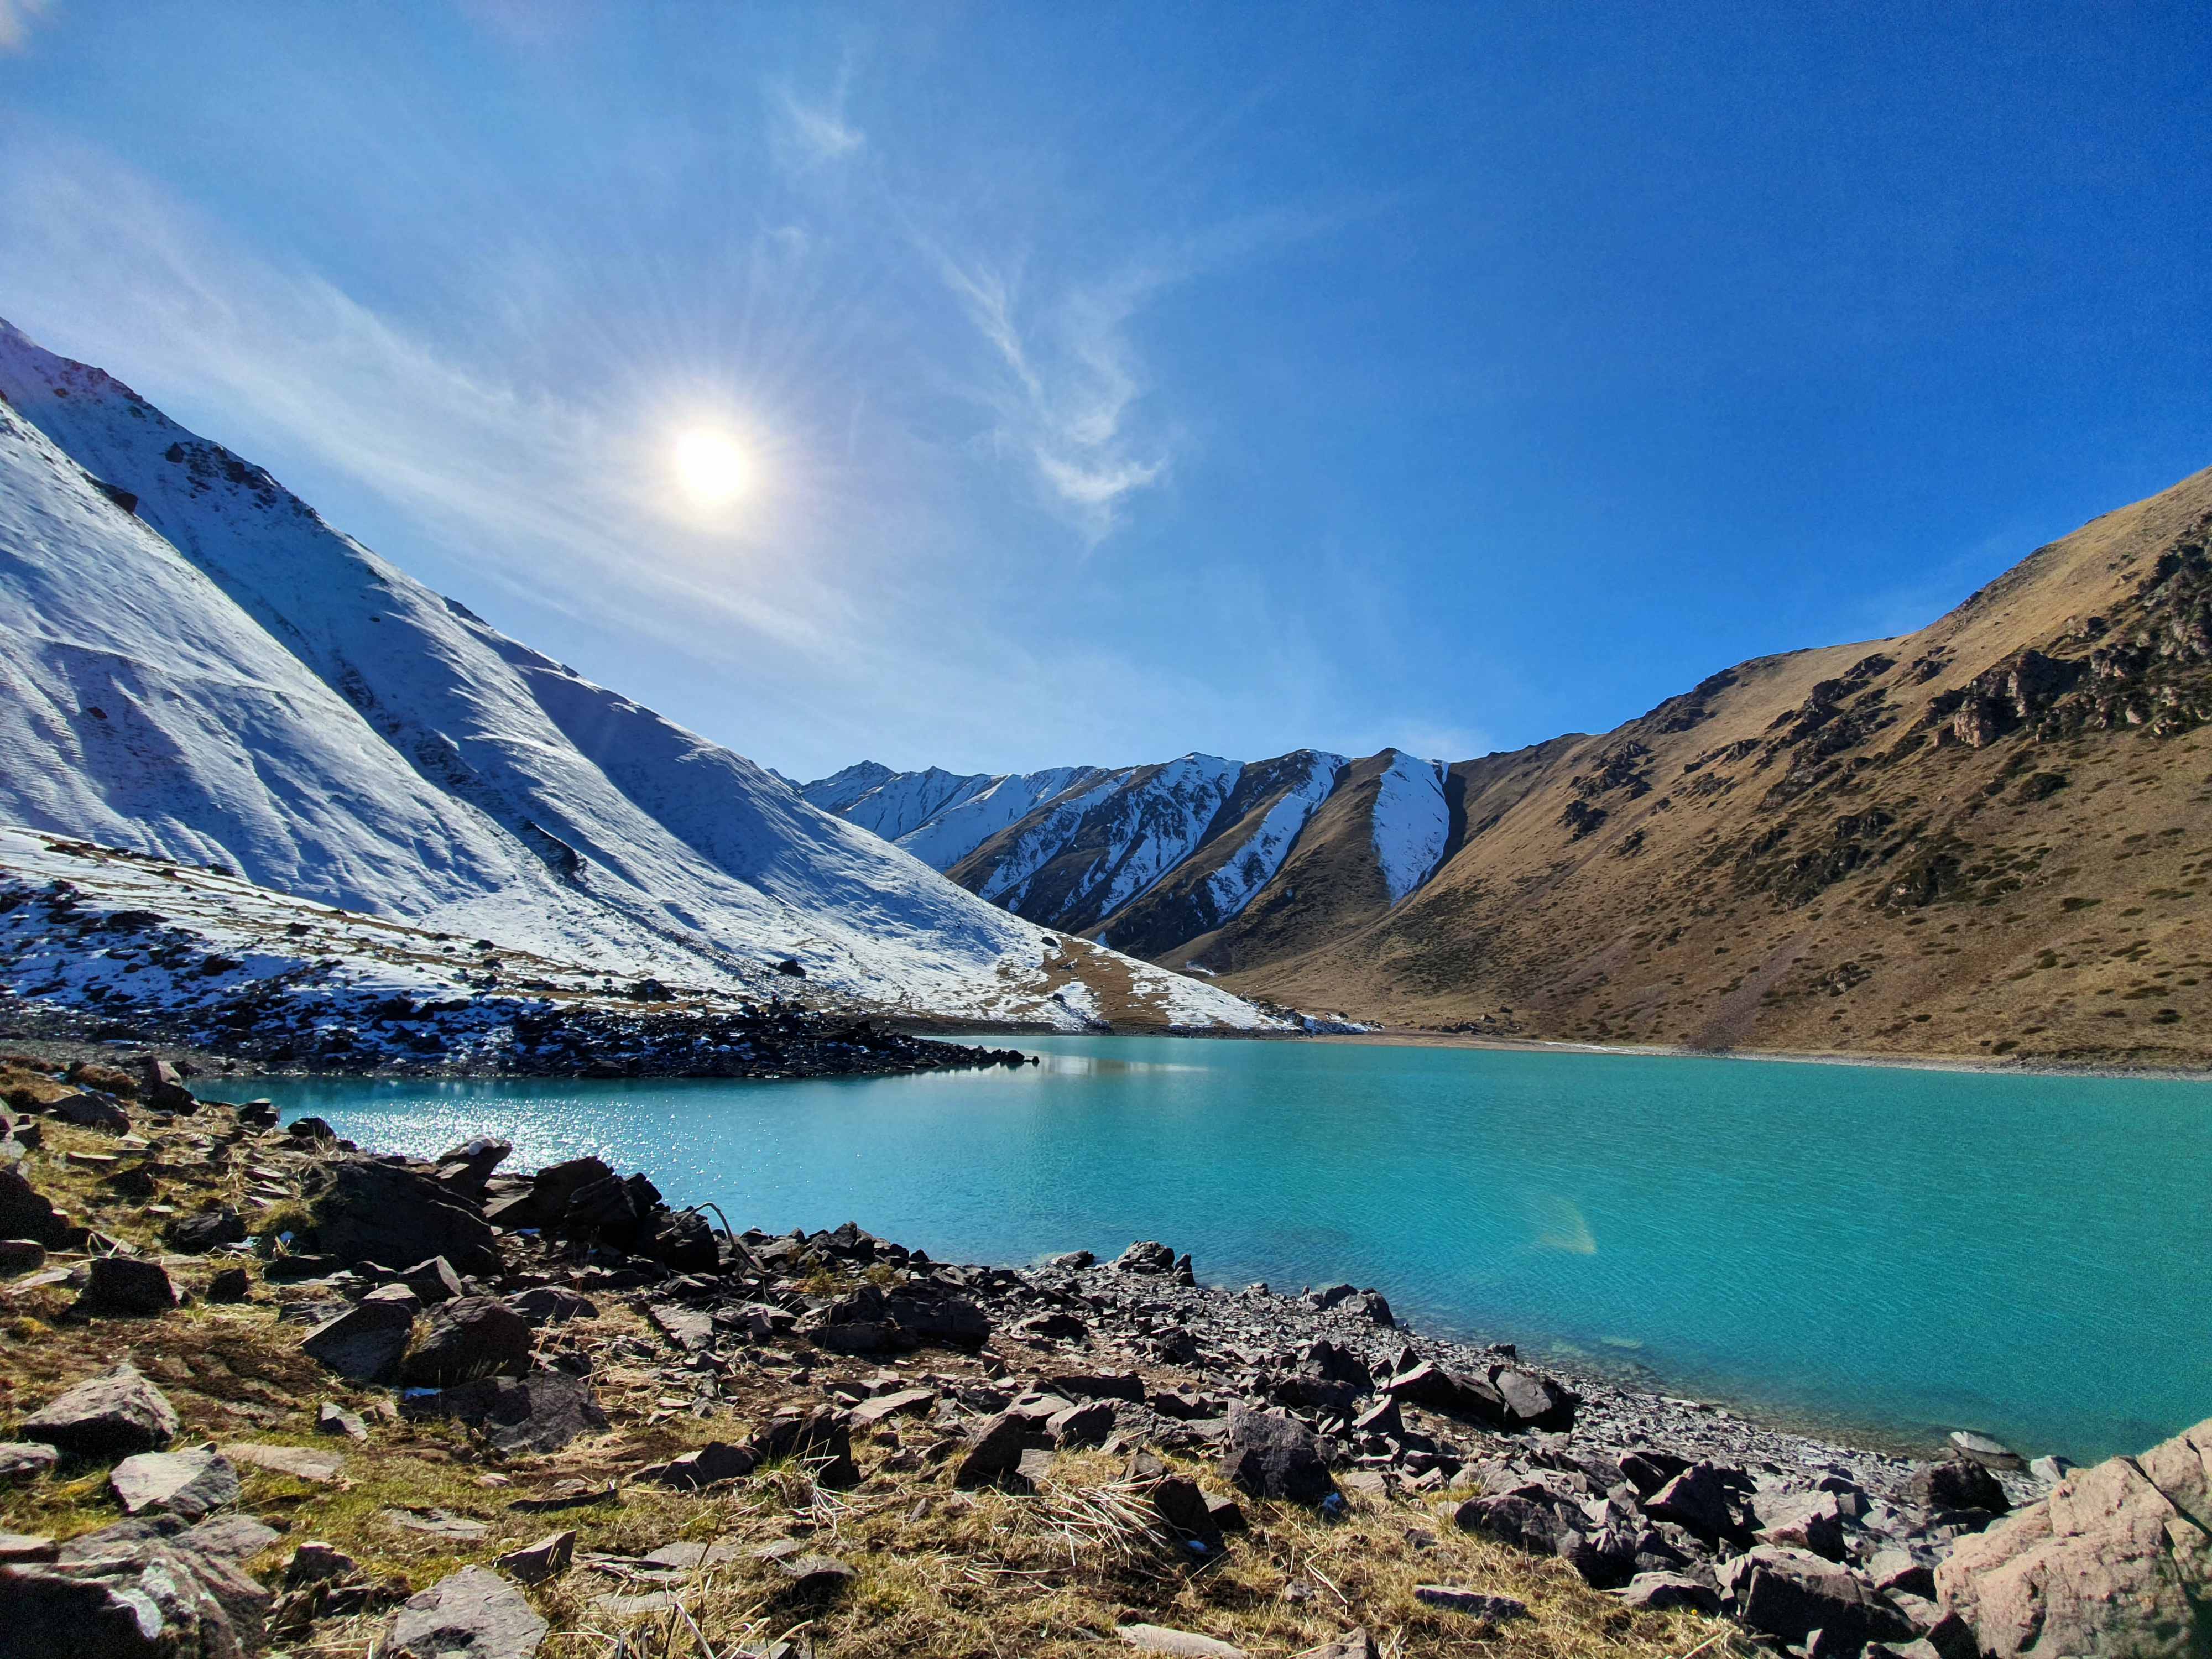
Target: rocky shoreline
point(529, 1312)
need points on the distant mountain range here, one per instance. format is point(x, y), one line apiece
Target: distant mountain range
point(194, 664)
point(1989, 837)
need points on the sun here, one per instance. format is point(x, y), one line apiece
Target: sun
point(711, 467)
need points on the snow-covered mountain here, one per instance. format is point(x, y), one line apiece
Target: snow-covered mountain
point(1157, 860)
point(196, 664)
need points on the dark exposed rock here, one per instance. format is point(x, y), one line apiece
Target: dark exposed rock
point(124, 1286)
point(819, 1440)
point(433, 1281)
point(1703, 1500)
point(1790, 1593)
point(197, 1235)
point(231, 1285)
point(110, 1416)
point(26, 1213)
point(1476, 1604)
point(1270, 1454)
point(539, 1412)
point(364, 1344)
point(185, 1483)
point(463, 1340)
point(149, 1600)
point(1958, 1485)
point(92, 1111)
point(552, 1304)
point(23, 1460)
point(1665, 1592)
point(1146, 1256)
point(994, 1451)
point(714, 1461)
point(474, 1614)
point(371, 1212)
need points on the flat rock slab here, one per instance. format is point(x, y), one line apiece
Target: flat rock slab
point(688, 1556)
point(474, 1614)
point(1493, 1609)
point(25, 1459)
point(687, 1327)
point(21, 1546)
point(320, 1468)
point(869, 1413)
point(439, 1523)
point(188, 1483)
point(817, 1573)
point(1158, 1638)
point(108, 1416)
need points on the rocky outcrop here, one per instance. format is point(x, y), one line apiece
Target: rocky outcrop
point(474, 1613)
point(368, 1211)
point(2116, 1561)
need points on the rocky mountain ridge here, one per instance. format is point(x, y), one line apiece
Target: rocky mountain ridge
point(1987, 838)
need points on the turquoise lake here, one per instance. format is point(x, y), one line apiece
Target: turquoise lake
point(1891, 1252)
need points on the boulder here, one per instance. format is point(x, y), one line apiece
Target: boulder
point(331, 1419)
point(474, 1614)
point(370, 1212)
point(1085, 1425)
point(551, 1189)
point(24, 1461)
point(1981, 1448)
point(716, 1460)
point(533, 1564)
point(1667, 1592)
point(22, 1255)
point(686, 1242)
point(899, 1402)
point(1802, 1520)
point(1702, 1499)
point(316, 1469)
point(149, 1600)
point(1476, 1604)
point(231, 1285)
point(465, 1339)
point(26, 1212)
point(196, 1235)
point(188, 1485)
point(433, 1281)
point(315, 1562)
point(1533, 1400)
point(819, 1440)
point(162, 1086)
point(366, 1343)
point(1146, 1256)
point(552, 1304)
point(124, 1286)
point(1789, 1594)
point(1270, 1454)
point(110, 1416)
point(993, 1455)
point(1183, 1644)
point(540, 1411)
point(91, 1111)
point(2117, 1559)
point(1960, 1485)
point(466, 1167)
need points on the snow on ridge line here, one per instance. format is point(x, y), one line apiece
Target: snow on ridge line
point(1252, 866)
point(1412, 822)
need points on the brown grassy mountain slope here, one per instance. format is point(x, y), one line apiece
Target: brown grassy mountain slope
point(1993, 836)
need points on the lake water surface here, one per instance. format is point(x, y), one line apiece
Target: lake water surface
point(1901, 1252)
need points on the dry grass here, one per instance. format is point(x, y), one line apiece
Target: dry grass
point(939, 1572)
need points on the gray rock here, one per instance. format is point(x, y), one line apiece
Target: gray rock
point(196, 1235)
point(2051, 1469)
point(92, 1111)
point(332, 1418)
point(1146, 1256)
point(1802, 1520)
point(1070, 1261)
point(146, 1601)
point(1086, 1424)
point(818, 1442)
point(24, 1461)
point(474, 1614)
point(366, 1343)
point(109, 1416)
point(1980, 1448)
point(26, 1212)
point(1352, 1644)
point(231, 1535)
point(1270, 1454)
point(1958, 1485)
point(125, 1287)
point(370, 1212)
point(315, 1562)
point(22, 1255)
point(188, 1485)
point(316, 1469)
point(2117, 1560)
point(552, 1304)
point(899, 1402)
point(231, 1285)
point(716, 1460)
point(994, 1451)
point(465, 1339)
point(1183, 1644)
point(1701, 1499)
point(19, 1549)
point(1790, 1593)
point(816, 1575)
point(1664, 1592)
point(433, 1281)
point(533, 1564)
point(541, 1411)
point(1493, 1609)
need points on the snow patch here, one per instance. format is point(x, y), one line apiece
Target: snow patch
point(1410, 823)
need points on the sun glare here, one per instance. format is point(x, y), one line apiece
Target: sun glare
point(711, 467)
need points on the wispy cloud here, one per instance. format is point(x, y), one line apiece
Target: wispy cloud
point(807, 134)
point(16, 17)
point(1062, 384)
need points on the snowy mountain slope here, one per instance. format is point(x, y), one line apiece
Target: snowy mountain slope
point(939, 816)
point(1157, 860)
point(287, 702)
point(1412, 822)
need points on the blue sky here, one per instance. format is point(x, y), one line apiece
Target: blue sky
point(1125, 380)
